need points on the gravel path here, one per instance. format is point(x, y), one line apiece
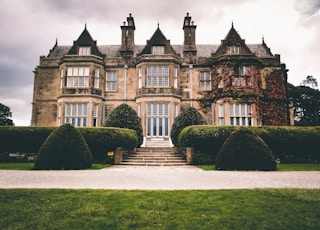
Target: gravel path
point(157, 178)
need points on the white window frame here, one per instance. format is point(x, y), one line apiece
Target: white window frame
point(84, 51)
point(205, 81)
point(221, 114)
point(157, 76)
point(61, 79)
point(96, 79)
point(139, 78)
point(233, 49)
point(76, 114)
point(78, 77)
point(175, 78)
point(95, 114)
point(240, 114)
point(157, 50)
point(157, 121)
point(111, 81)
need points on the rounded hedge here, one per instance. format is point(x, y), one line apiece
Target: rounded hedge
point(245, 150)
point(188, 116)
point(124, 116)
point(65, 148)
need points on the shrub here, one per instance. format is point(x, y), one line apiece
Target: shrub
point(65, 148)
point(124, 116)
point(188, 116)
point(245, 150)
point(23, 139)
point(103, 140)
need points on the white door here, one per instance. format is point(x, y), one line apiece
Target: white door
point(157, 120)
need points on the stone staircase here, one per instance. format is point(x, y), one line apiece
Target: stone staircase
point(155, 156)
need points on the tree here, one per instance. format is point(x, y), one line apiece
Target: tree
point(124, 116)
point(306, 102)
point(4, 116)
point(65, 148)
point(245, 150)
point(188, 116)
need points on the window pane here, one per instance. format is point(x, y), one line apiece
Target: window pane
point(166, 126)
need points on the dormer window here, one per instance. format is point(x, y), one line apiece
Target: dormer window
point(84, 51)
point(233, 50)
point(157, 50)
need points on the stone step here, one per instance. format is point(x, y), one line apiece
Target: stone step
point(156, 156)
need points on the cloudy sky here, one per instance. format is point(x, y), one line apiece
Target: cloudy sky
point(29, 29)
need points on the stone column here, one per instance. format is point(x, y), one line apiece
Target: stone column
point(118, 156)
point(189, 153)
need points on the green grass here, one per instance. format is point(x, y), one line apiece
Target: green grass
point(280, 167)
point(117, 209)
point(29, 166)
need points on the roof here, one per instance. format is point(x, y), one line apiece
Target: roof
point(202, 50)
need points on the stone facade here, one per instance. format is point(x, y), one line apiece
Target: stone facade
point(232, 83)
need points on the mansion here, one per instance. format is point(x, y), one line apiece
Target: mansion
point(231, 83)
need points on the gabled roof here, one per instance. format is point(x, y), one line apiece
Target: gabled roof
point(85, 39)
point(233, 39)
point(158, 39)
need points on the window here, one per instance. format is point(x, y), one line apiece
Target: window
point(78, 77)
point(76, 114)
point(157, 76)
point(175, 78)
point(84, 51)
point(59, 115)
point(158, 50)
point(111, 81)
point(95, 114)
point(96, 80)
point(61, 79)
point(205, 81)
point(240, 115)
point(158, 119)
point(140, 78)
point(176, 109)
point(243, 79)
point(233, 50)
point(221, 114)
point(221, 84)
point(139, 110)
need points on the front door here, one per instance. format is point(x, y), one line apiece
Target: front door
point(157, 120)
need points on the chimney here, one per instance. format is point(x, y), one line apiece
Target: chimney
point(189, 43)
point(127, 37)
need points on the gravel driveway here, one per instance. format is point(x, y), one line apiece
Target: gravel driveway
point(157, 178)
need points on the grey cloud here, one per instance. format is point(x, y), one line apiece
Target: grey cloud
point(308, 8)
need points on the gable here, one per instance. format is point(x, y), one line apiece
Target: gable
point(85, 40)
point(158, 39)
point(233, 44)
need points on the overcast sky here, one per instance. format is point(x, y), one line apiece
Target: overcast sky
point(29, 29)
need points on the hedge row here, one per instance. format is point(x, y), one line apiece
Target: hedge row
point(288, 144)
point(99, 140)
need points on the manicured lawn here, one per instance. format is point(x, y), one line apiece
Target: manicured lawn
point(29, 166)
point(280, 167)
point(117, 209)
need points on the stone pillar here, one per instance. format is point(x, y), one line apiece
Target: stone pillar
point(189, 153)
point(118, 156)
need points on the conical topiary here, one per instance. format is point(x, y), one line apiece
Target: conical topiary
point(123, 116)
point(244, 150)
point(65, 148)
point(188, 116)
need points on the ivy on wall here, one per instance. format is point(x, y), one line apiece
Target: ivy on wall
point(267, 90)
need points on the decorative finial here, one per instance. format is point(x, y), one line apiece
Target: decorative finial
point(262, 39)
point(232, 24)
point(56, 41)
point(85, 25)
point(158, 25)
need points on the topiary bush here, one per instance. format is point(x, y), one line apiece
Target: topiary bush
point(65, 148)
point(188, 116)
point(245, 150)
point(124, 116)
